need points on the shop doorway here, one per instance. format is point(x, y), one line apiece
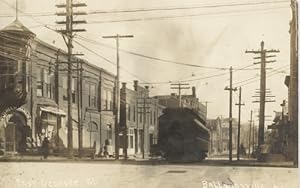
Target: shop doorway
point(16, 133)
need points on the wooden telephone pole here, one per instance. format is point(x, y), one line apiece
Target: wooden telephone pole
point(117, 103)
point(262, 98)
point(143, 111)
point(250, 128)
point(68, 38)
point(230, 89)
point(179, 87)
point(293, 85)
point(239, 123)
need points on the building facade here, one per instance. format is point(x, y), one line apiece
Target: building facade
point(139, 117)
point(40, 75)
point(225, 135)
point(216, 140)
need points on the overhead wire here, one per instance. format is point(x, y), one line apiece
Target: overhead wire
point(257, 79)
point(133, 53)
point(184, 8)
point(150, 57)
point(182, 16)
point(46, 26)
point(92, 12)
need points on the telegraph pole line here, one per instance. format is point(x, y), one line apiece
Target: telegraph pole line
point(144, 112)
point(117, 103)
point(239, 123)
point(262, 98)
point(230, 89)
point(68, 38)
point(180, 87)
point(250, 125)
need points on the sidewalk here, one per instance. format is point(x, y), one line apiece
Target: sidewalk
point(52, 158)
point(210, 161)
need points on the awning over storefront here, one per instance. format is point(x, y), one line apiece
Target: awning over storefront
point(52, 110)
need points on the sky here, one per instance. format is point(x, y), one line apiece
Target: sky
point(213, 34)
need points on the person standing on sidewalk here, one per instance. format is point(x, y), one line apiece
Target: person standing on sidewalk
point(45, 148)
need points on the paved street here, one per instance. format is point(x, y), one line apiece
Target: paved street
point(92, 175)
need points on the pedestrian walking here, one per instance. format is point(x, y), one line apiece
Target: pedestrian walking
point(45, 148)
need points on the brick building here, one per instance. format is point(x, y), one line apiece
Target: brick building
point(37, 79)
point(141, 127)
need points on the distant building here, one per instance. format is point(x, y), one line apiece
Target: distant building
point(216, 140)
point(139, 114)
point(219, 135)
point(188, 101)
point(225, 134)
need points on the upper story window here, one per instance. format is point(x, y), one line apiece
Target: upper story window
point(91, 89)
point(151, 117)
point(141, 118)
point(134, 113)
point(74, 89)
point(65, 87)
point(107, 99)
point(129, 112)
point(39, 82)
point(45, 83)
point(154, 117)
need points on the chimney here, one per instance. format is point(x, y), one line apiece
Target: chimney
point(135, 85)
point(194, 91)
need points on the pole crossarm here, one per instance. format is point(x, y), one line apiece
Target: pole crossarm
point(117, 36)
point(230, 89)
point(265, 57)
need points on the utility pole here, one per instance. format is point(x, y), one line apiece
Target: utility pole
point(263, 56)
point(68, 38)
point(79, 106)
point(123, 118)
point(249, 153)
point(144, 111)
point(293, 84)
point(230, 89)
point(179, 87)
point(117, 103)
point(239, 123)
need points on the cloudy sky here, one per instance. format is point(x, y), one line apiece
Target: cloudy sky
point(213, 34)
